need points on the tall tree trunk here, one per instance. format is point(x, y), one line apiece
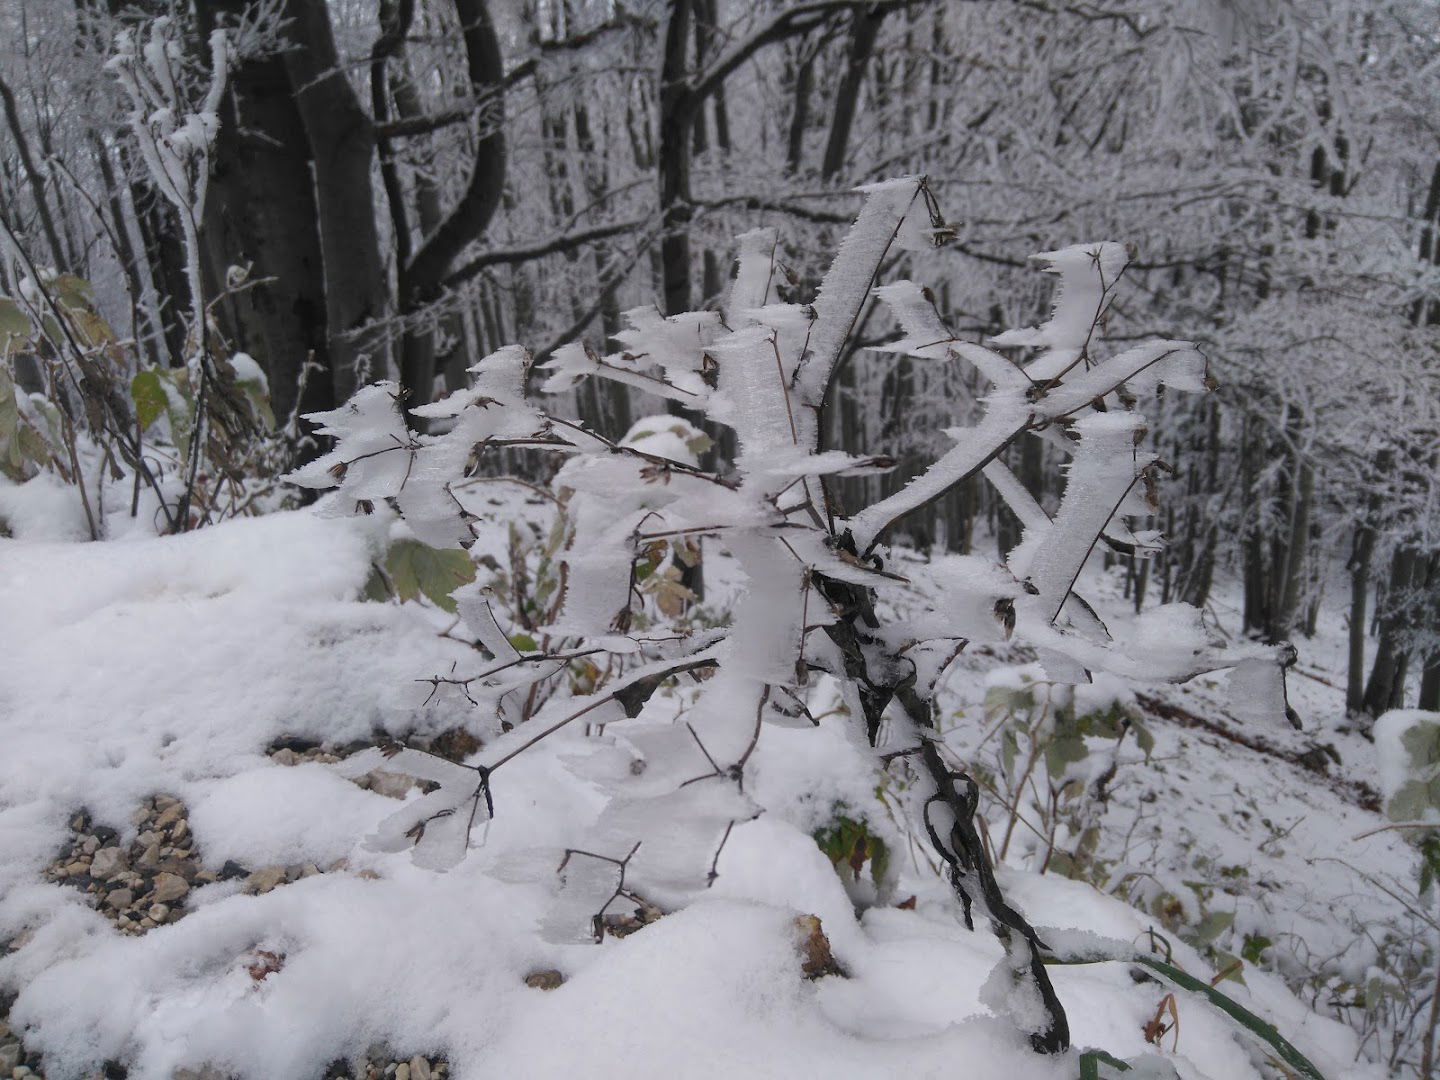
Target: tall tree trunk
point(262, 210)
point(1430, 684)
point(1359, 567)
point(342, 150)
point(35, 178)
point(799, 111)
point(455, 360)
point(673, 160)
point(1387, 674)
point(864, 28)
point(1296, 544)
point(422, 279)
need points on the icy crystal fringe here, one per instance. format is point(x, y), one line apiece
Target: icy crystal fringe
point(815, 579)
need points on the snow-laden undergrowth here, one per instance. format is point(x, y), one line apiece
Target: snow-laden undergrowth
point(172, 664)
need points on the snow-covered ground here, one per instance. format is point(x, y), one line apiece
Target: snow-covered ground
point(176, 666)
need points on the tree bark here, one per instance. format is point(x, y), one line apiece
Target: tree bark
point(342, 149)
point(1386, 685)
point(677, 108)
point(864, 27)
point(34, 177)
point(262, 210)
point(1359, 568)
point(421, 279)
point(1296, 543)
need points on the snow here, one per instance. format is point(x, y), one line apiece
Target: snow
point(45, 508)
point(173, 666)
point(168, 665)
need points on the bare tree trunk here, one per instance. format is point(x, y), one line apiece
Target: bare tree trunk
point(800, 112)
point(677, 109)
point(1387, 674)
point(864, 28)
point(455, 361)
point(342, 150)
point(1359, 568)
point(35, 178)
point(261, 210)
point(422, 279)
point(1296, 543)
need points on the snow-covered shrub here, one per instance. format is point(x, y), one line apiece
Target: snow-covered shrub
point(825, 609)
point(1053, 755)
point(184, 440)
point(78, 402)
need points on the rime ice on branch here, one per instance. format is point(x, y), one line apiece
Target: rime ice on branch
point(817, 578)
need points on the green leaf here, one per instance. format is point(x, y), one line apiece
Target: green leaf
point(1103, 722)
point(1410, 802)
point(1063, 752)
point(149, 397)
point(1254, 947)
point(1229, 967)
point(1009, 699)
point(375, 587)
point(417, 568)
point(849, 845)
point(259, 403)
point(1422, 741)
point(33, 445)
point(1009, 751)
point(73, 291)
point(524, 643)
point(13, 322)
point(1213, 925)
point(9, 407)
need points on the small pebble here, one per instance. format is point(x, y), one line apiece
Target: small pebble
point(544, 980)
point(419, 1068)
point(265, 879)
point(170, 816)
point(169, 888)
point(402, 1071)
point(120, 898)
point(107, 863)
